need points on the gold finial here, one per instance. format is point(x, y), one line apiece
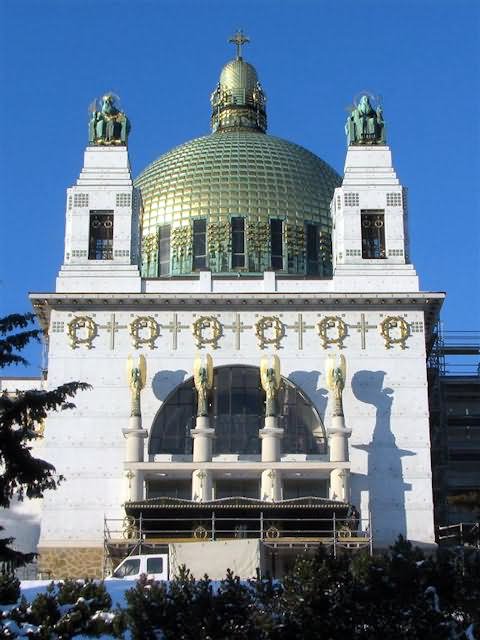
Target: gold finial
point(239, 39)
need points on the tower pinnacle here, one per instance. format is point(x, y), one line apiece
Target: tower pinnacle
point(239, 39)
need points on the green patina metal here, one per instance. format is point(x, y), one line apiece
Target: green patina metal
point(108, 125)
point(365, 125)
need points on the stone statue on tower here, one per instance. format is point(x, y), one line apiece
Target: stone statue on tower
point(365, 125)
point(108, 125)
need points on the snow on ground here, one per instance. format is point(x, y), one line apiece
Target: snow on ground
point(116, 589)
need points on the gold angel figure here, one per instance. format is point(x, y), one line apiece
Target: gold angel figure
point(203, 379)
point(271, 381)
point(336, 373)
point(137, 377)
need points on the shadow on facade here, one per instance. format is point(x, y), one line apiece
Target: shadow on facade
point(384, 479)
point(164, 382)
point(307, 381)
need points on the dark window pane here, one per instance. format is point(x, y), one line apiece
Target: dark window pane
point(373, 234)
point(128, 568)
point(164, 250)
point(312, 242)
point(276, 243)
point(100, 245)
point(199, 244)
point(238, 242)
point(154, 565)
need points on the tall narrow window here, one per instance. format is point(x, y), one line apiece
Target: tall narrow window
point(276, 243)
point(199, 244)
point(312, 246)
point(100, 245)
point(164, 250)
point(373, 234)
point(238, 242)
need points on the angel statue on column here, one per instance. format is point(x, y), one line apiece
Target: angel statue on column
point(336, 373)
point(203, 379)
point(271, 381)
point(137, 377)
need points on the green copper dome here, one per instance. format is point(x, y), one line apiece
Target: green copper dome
point(237, 192)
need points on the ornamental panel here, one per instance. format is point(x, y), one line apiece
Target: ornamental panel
point(207, 331)
point(269, 330)
point(144, 330)
point(332, 330)
point(395, 330)
point(82, 330)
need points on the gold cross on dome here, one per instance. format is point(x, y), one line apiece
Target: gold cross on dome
point(239, 39)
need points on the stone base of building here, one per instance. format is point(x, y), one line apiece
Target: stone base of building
point(70, 562)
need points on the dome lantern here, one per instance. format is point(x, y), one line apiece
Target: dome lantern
point(238, 101)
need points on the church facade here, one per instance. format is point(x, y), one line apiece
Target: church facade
point(254, 334)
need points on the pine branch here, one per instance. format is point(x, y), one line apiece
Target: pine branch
point(16, 341)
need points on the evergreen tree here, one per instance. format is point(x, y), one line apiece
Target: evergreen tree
point(21, 413)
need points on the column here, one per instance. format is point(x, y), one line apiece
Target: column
point(202, 439)
point(271, 436)
point(271, 485)
point(339, 477)
point(202, 485)
point(134, 448)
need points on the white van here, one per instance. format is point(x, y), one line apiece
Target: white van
point(155, 566)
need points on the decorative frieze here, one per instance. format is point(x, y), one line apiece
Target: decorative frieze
point(269, 330)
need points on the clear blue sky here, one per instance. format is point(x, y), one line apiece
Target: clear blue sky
point(164, 57)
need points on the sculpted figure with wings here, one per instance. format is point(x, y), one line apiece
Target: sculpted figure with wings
point(137, 377)
point(336, 372)
point(271, 380)
point(203, 379)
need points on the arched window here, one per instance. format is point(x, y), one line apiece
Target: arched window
point(237, 413)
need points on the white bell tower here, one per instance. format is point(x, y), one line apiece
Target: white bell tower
point(369, 215)
point(102, 215)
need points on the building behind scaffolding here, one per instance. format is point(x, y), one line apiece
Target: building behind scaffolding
point(454, 380)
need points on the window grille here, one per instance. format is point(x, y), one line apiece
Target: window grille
point(69, 202)
point(352, 199)
point(121, 253)
point(339, 202)
point(123, 200)
point(395, 252)
point(276, 243)
point(353, 252)
point(58, 327)
point(237, 406)
point(238, 242)
point(79, 253)
point(80, 199)
point(199, 244)
point(101, 236)
point(373, 234)
point(394, 199)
